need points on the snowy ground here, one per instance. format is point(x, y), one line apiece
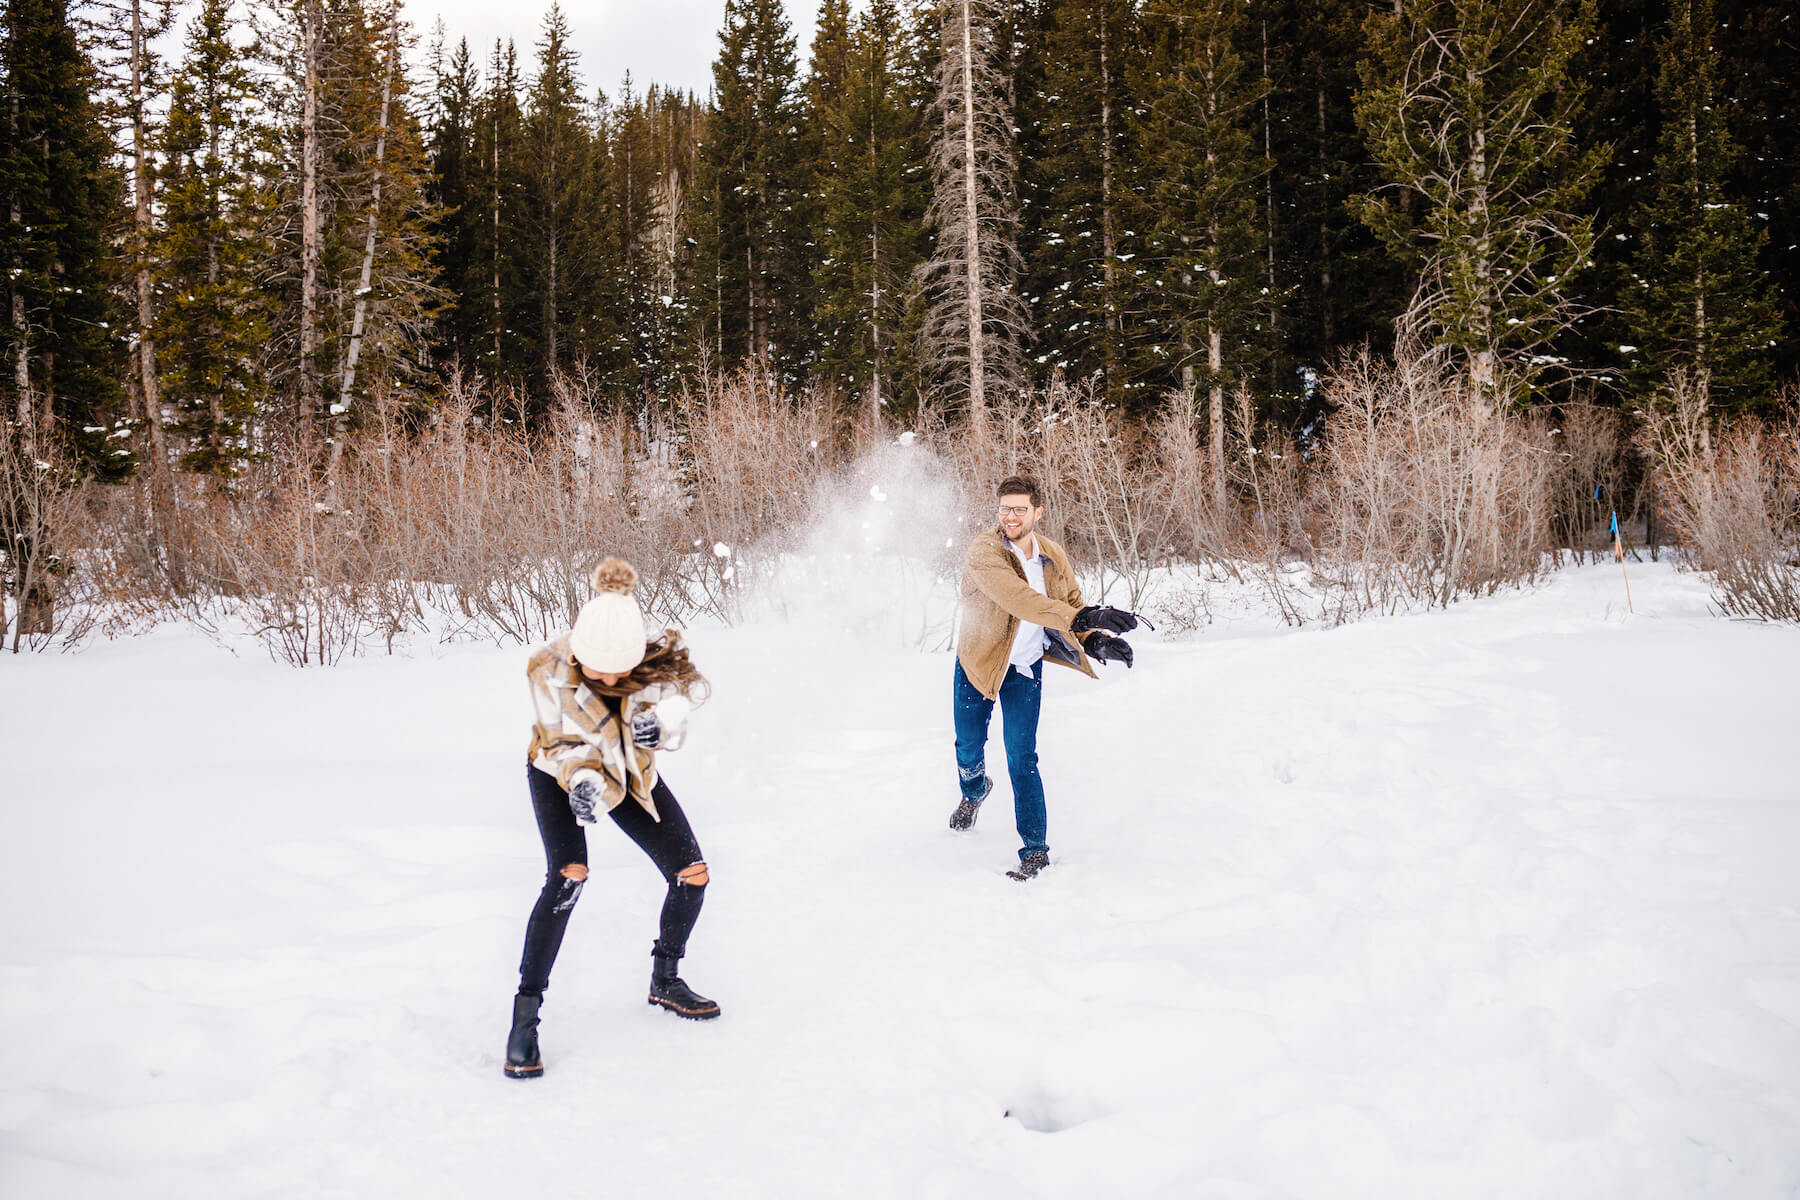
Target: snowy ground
point(1493, 902)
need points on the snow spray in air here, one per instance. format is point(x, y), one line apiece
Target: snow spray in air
point(879, 560)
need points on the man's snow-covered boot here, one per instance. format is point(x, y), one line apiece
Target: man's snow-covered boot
point(668, 990)
point(1030, 864)
point(522, 1060)
point(966, 812)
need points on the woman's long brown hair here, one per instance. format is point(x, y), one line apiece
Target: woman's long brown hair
point(665, 662)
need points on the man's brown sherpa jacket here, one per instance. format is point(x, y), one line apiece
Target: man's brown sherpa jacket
point(996, 597)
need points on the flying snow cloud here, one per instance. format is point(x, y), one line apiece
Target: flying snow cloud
point(880, 560)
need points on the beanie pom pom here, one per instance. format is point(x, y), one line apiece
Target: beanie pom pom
point(615, 575)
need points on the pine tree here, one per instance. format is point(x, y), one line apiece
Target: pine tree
point(976, 324)
point(498, 288)
point(212, 318)
point(870, 201)
point(1332, 286)
point(750, 185)
point(380, 245)
point(1759, 47)
point(62, 219)
point(823, 96)
point(651, 151)
point(1200, 228)
point(1621, 113)
point(596, 269)
point(1074, 111)
point(352, 270)
point(1469, 106)
point(1701, 303)
point(455, 194)
point(631, 150)
point(131, 93)
point(557, 147)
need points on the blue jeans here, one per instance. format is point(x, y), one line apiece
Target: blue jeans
point(1021, 697)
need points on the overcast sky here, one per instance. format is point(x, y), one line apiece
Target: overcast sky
point(663, 41)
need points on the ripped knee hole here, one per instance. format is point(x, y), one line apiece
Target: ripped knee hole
point(575, 871)
point(694, 876)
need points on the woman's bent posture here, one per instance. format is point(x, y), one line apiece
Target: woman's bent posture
point(607, 698)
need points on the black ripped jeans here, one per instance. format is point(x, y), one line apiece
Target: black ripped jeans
point(669, 842)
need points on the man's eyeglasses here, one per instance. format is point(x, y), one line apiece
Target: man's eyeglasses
point(1014, 510)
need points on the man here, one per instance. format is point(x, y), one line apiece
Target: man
point(1021, 605)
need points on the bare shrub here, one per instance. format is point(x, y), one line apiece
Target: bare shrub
point(1000, 440)
point(1112, 517)
point(1595, 475)
point(1267, 470)
point(754, 457)
point(462, 524)
point(465, 521)
point(1428, 490)
point(502, 530)
point(293, 564)
point(1733, 498)
point(1178, 467)
point(50, 580)
point(1184, 607)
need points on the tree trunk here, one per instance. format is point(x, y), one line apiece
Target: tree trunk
point(552, 350)
point(347, 382)
point(1328, 317)
point(310, 247)
point(1269, 194)
point(215, 202)
point(753, 343)
point(1702, 360)
point(1483, 365)
point(972, 226)
point(495, 130)
point(162, 488)
point(27, 407)
point(1108, 241)
point(875, 315)
point(1215, 410)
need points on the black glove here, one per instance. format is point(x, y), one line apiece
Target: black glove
point(1103, 647)
point(1113, 620)
point(583, 798)
point(646, 731)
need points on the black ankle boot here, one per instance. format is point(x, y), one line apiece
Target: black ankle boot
point(522, 1060)
point(667, 989)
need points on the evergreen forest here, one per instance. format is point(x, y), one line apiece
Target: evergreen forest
point(284, 233)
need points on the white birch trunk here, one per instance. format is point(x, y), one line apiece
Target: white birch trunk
point(360, 311)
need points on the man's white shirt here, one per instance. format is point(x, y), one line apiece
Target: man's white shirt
point(1028, 643)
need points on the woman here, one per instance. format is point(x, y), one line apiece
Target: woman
point(606, 700)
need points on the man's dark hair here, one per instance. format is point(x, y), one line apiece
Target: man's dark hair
point(1021, 485)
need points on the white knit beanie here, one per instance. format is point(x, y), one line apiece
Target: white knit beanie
point(609, 632)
